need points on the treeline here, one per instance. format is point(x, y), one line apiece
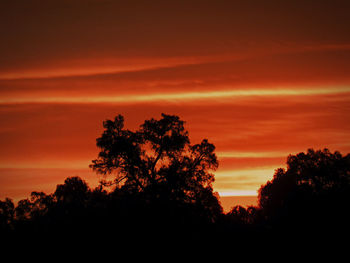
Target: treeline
point(312, 194)
point(75, 209)
point(162, 190)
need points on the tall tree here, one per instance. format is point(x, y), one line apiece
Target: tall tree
point(157, 160)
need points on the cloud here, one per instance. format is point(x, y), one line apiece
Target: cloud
point(242, 182)
point(79, 29)
point(255, 58)
point(183, 97)
point(245, 131)
point(104, 66)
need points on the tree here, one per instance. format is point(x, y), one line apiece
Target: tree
point(38, 206)
point(6, 214)
point(158, 161)
point(313, 190)
point(74, 190)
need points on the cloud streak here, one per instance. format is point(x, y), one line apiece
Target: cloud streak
point(107, 65)
point(180, 97)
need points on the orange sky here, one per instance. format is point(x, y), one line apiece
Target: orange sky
point(259, 79)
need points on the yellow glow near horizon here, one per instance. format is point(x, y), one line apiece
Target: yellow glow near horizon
point(240, 154)
point(251, 178)
point(238, 193)
point(257, 176)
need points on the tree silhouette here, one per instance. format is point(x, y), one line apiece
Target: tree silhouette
point(243, 216)
point(7, 213)
point(159, 162)
point(74, 190)
point(163, 193)
point(38, 206)
point(312, 193)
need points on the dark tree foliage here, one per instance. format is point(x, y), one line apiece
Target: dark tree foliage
point(240, 215)
point(158, 163)
point(312, 194)
point(162, 189)
point(6, 214)
point(162, 194)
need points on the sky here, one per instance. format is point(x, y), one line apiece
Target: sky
point(259, 79)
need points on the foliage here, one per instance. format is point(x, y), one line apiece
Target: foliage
point(158, 162)
point(163, 191)
point(6, 214)
point(313, 190)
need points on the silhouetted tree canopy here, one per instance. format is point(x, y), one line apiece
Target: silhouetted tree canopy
point(158, 161)
point(6, 214)
point(163, 192)
point(313, 190)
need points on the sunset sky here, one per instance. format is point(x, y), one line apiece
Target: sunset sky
point(259, 79)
